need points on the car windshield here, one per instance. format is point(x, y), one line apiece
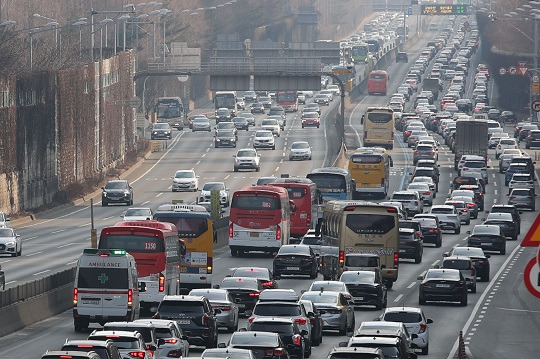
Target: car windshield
point(6, 232)
point(328, 286)
point(264, 134)
point(321, 297)
point(200, 120)
point(460, 264)
point(246, 153)
point(474, 164)
point(442, 210)
point(214, 186)
point(116, 185)
point(389, 351)
point(102, 352)
point(184, 174)
point(138, 212)
point(225, 126)
point(272, 327)
point(267, 340)
point(420, 186)
point(225, 134)
point(251, 273)
point(424, 148)
point(277, 310)
point(161, 126)
point(358, 277)
point(521, 193)
point(235, 283)
point(422, 179)
point(299, 145)
point(403, 196)
point(442, 274)
point(240, 120)
point(403, 317)
point(492, 230)
point(270, 122)
point(309, 240)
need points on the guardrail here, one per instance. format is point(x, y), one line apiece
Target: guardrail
point(38, 287)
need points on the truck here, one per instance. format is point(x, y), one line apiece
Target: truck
point(471, 139)
point(432, 85)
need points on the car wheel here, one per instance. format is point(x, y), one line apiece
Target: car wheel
point(14, 254)
point(389, 284)
point(425, 350)
point(258, 169)
point(343, 331)
point(234, 252)
point(458, 230)
point(438, 244)
point(313, 274)
point(463, 301)
point(473, 289)
point(235, 169)
point(418, 258)
point(216, 146)
point(484, 277)
point(503, 251)
point(274, 147)
point(19, 253)
point(468, 222)
point(104, 203)
point(80, 326)
point(421, 301)
point(307, 353)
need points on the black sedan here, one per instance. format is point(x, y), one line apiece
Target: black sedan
point(316, 321)
point(263, 275)
point(244, 291)
point(488, 237)
point(288, 331)
point(241, 123)
point(507, 116)
point(264, 345)
point(366, 288)
point(411, 245)
point(443, 285)
point(508, 227)
point(295, 259)
point(480, 260)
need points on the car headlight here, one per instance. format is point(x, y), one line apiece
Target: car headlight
point(10, 244)
point(126, 192)
point(104, 194)
point(155, 132)
point(218, 140)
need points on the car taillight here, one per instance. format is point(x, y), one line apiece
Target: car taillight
point(161, 282)
point(223, 307)
point(308, 220)
point(396, 259)
point(209, 265)
point(465, 210)
point(407, 132)
point(465, 169)
point(512, 197)
point(254, 294)
point(470, 205)
point(274, 352)
point(312, 321)
point(423, 327)
point(251, 320)
point(418, 233)
point(137, 354)
point(156, 316)
point(341, 257)
point(130, 297)
point(301, 321)
point(427, 193)
point(433, 231)
point(416, 152)
point(65, 357)
point(205, 319)
point(267, 284)
point(231, 230)
point(278, 233)
point(171, 341)
point(296, 339)
point(75, 296)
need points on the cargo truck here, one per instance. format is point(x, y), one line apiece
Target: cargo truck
point(432, 85)
point(471, 139)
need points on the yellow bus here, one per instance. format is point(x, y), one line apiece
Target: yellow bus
point(197, 231)
point(359, 227)
point(370, 169)
point(379, 127)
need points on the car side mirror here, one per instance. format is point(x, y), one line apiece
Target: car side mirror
point(429, 321)
point(222, 345)
point(234, 155)
point(446, 254)
point(258, 155)
point(377, 319)
point(103, 188)
point(468, 232)
point(436, 266)
point(487, 255)
point(160, 342)
point(215, 286)
point(413, 356)
point(242, 330)
point(304, 332)
point(9, 219)
point(420, 277)
point(414, 336)
point(343, 344)
point(151, 347)
point(248, 313)
point(520, 212)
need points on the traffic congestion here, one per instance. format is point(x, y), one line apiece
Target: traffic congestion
point(363, 258)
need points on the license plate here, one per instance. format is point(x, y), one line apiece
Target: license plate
point(360, 298)
point(184, 321)
point(253, 234)
point(293, 268)
point(485, 244)
point(90, 301)
point(443, 285)
point(241, 305)
point(402, 251)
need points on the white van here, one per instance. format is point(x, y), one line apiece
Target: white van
point(106, 288)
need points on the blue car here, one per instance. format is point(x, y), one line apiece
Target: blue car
point(514, 168)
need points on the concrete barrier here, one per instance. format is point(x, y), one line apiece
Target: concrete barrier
point(32, 310)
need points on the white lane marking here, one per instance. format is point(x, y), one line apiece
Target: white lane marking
point(481, 300)
point(277, 168)
point(208, 149)
point(11, 282)
point(519, 310)
point(435, 263)
point(58, 231)
point(43, 271)
point(65, 245)
point(159, 194)
point(33, 254)
point(204, 154)
point(495, 192)
point(423, 273)
point(398, 298)
point(72, 262)
point(495, 183)
point(198, 162)
point(145, 202)
point(227, 176)
point(83, 225)
point(107, 218)
point(6, 261)
point(411, 285)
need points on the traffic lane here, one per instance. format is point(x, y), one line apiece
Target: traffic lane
point(509, 321)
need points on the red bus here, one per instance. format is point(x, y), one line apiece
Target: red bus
point(288, 100)
point(157, 252)
point(303, 193)
point(259, 219)
point(378, 82)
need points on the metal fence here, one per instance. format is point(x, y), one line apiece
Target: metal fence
point(37, 287)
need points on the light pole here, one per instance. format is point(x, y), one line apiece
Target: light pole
point(103, 22)
point(51, 22)
point(80, 23)
point(124, 19)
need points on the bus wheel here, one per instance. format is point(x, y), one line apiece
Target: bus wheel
point(234, 252)
point(389, 284)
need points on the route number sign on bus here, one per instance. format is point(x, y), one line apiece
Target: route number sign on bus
point(448, 9)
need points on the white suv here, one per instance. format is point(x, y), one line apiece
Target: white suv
point(414, 320)
point(185, 180)
point(206, 193)
point(271, 124)
point(264, 139)
point(247, 158)
point(411, 201)
point(505, 143)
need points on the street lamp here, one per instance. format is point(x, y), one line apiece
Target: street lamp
point(7, 23)
point(124, 19)
point(80, 23)
point(103, 22)
point(48, 24)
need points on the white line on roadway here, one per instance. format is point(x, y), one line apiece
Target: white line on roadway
point(481, 300)
point(159, 194)
point(204, 155)
point(107, 218)
point(495, 183)
point(145, 202)
point(277, 168)
point(198, 162)
point(7, 260)
point(495, 192)
point(65, 245)
point(411, 285)
point(423, 273)
point(58, 231)
point(83, 225)
point(436, 262)
point(33, 254)
point(227, 176)
point(208, 149)
point(398, 298)
point(72, 262)
point(43, 271)
point(11, 282)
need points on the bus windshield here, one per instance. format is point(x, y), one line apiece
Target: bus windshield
point(370, 223)
point(187, 226)
point(168, 108)
point(378, 117)
point(286, 96)
point(225, 100)
point(359, 51)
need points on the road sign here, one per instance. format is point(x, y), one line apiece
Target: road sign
point(512, 70)
point(531, 276)
point(134, 102)
point(409, 10)
point(535, 78)
point(502, 71)
point(469, 29)
point(532, 238)
point(535, 89)
point(340, 71)
point(522, 68)
point(535, 105)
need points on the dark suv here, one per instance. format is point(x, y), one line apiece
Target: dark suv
point(431, 230)
point(296, 259)
point(194, 315)
point(106, 349)
point(117, 191)
point(504, 208)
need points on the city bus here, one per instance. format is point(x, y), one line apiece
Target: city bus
point(303, 193)
point(370, 169)
point(379, 127)
point(377, 82)
point(226, 99)
point(194, 226)
point(360, 227)
point(333, 183)
point(360, 53)
point(156, 249)
point(170, 110)
point(259, 219)
point(288, 100)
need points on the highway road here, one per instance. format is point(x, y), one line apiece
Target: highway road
point(56, 239)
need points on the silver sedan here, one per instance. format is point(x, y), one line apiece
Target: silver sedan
point(220, 299)
point(10, 242)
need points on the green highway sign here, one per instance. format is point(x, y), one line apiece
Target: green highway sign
point(449, 9)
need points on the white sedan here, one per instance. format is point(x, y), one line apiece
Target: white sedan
point(10, 242)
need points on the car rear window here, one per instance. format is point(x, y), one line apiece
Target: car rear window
point(406, 196)
point(280, 328)
point(181, 307)
point(102, 352)
point(277, 310)
point(474, 164)
point(146, 332)
point(121, 343)
point(103, 278)
point(254, 339)
point(403, 317)
point(457, 264)
point(442, 210)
